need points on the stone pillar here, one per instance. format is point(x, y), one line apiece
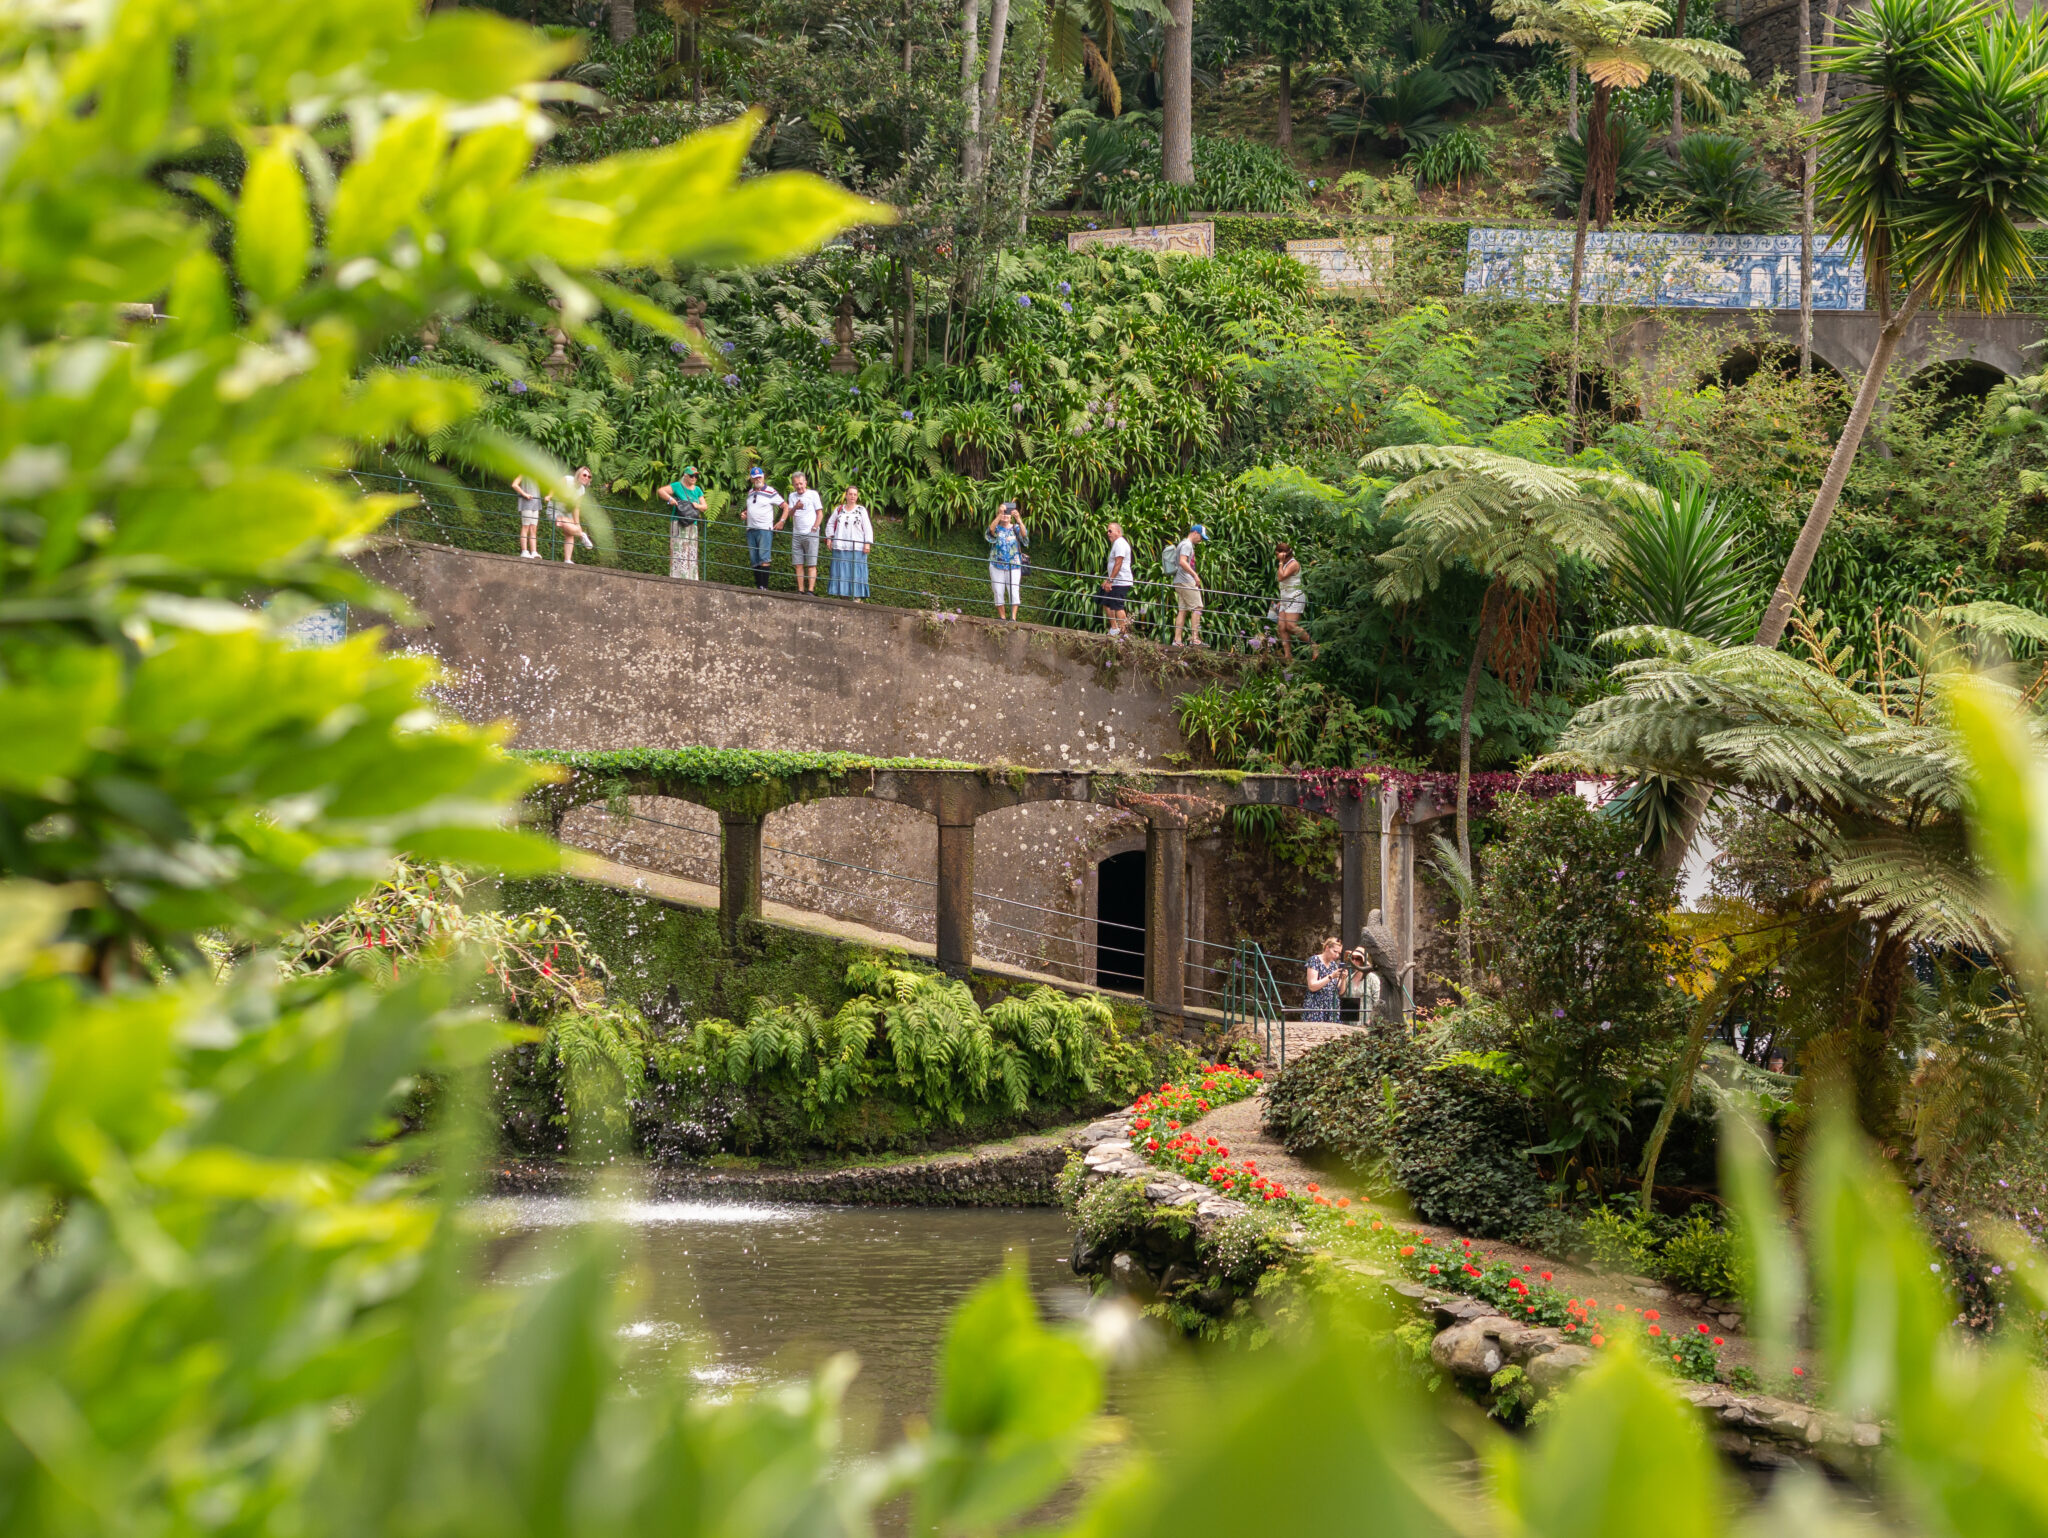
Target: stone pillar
point(1166, 921)
point(956, 897)
point(1358, 862)
point(1401, 907)
point(739, 872)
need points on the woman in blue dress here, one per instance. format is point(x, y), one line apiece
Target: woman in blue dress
point(1327, 971)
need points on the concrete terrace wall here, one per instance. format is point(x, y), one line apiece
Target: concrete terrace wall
point(588, 657)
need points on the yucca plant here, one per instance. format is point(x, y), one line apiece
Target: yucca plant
point(1936, 157)
point(1515, 521)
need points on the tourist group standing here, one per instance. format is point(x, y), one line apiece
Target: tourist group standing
point(846, 533)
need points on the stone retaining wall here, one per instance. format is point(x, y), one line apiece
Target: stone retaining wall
point(1021, 1176)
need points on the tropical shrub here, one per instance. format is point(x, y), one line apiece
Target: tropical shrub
point(1445, 1133)
point(1572, 917)
point(1719, 186)
point(1642, 169)
point(910, 1052)
point(1703, 1258)
point(1450, 157)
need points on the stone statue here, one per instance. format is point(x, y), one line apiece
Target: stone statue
point(693, 361)
point(1376, 943)
point(843, 361)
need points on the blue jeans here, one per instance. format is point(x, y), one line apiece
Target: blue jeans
point(849, 574)
point(760, 546)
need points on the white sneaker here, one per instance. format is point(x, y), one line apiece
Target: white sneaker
point(587, 545)
point(529, 555)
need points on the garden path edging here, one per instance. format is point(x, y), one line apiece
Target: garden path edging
point(1473, 1341)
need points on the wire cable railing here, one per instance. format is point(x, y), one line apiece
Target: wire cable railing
point(899, 575)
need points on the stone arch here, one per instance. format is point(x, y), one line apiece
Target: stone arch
point(1742, 362)
point(668, 834)
point(887, 885)
point(1034, 865)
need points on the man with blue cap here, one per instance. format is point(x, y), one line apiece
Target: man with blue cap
point(1187, 585)
point(763, 502)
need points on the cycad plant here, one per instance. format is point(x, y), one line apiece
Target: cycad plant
point(1863, 768)
point(1515, 521)
point(1640, 168)
point(1723, 189)
point(1612, 42)
point(1936, 156)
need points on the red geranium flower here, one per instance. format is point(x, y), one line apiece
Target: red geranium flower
point(1719, 1342)
point(1432, 1270)
point(1701, 1328)
point(1546, 1276)
point(1599, 1340)
point(1652, 1315)
point(1407, 1250)
point(1656, 1329)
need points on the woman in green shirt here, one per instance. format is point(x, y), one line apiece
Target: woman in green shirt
point(686, 501)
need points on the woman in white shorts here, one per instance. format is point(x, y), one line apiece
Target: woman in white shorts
point(1293, 604)
point(528, 493)
point(567, 524)
point(1007, 542)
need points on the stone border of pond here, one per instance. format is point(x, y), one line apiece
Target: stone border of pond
point(1472, 1341)
point(1015, 1174)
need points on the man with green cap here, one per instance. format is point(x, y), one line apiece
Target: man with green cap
point(686, 499)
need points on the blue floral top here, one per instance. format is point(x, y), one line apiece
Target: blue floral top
point(1003, 548)
point(1323, 1003)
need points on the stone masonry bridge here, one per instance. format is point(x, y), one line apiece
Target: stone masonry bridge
point(956, 798)
point(1675, 346)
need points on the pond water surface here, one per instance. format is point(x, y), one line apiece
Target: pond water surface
point(750, 1293)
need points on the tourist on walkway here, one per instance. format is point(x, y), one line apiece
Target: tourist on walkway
point(1327, 971)
point(686, 498)
point(1187, 586)
point(804, 511)
point(762, 502)
point(851, 536)
point(568, 522)
point(1116, 584)
point(527, 490)
point(1008, 539)
point(1293, 604)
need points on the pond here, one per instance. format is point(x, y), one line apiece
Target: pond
point(748, 1293)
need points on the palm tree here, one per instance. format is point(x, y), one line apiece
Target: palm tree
point(1610, 41)
point(1862, 766)
point(1515, 522)
point(1927, 172)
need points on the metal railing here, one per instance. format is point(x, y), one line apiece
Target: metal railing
point(900, 574)
point(1251, 998)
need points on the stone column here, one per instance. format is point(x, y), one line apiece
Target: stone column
point(1166, 921)
point(739, 872)
point(956, 897)
point(1357, 864)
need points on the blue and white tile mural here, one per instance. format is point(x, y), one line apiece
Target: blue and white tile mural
point(1688, 272)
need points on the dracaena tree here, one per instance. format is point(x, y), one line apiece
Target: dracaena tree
point(1515, 521)
point(1935, 157)
point(1613, 43)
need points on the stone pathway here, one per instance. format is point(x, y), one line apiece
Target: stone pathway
point(1237, 1127)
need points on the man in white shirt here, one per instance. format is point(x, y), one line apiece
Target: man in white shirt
point(1116, 583)
point(1187, 586)
point(804, 511)
point(762, 502)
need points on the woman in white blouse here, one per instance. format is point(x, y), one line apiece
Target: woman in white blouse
point(851, 536)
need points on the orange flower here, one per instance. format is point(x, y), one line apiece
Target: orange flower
point(1599, 1340)
point(1407, 1250)
point(1343, 1201)
point(1652, 1315)
point(1656, 1329)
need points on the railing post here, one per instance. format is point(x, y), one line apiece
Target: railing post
point(739, 872)
point(1166, 920)
point(956, 897)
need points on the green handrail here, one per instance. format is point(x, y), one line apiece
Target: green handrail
point(1251, 998)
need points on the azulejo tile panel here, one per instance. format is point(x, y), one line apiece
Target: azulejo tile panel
point(1659, 270)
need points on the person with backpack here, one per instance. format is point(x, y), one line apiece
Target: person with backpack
point(686, 499)
point(850, 536)
point(1178, 562)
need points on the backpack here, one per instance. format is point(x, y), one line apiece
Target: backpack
point(1169, 561)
